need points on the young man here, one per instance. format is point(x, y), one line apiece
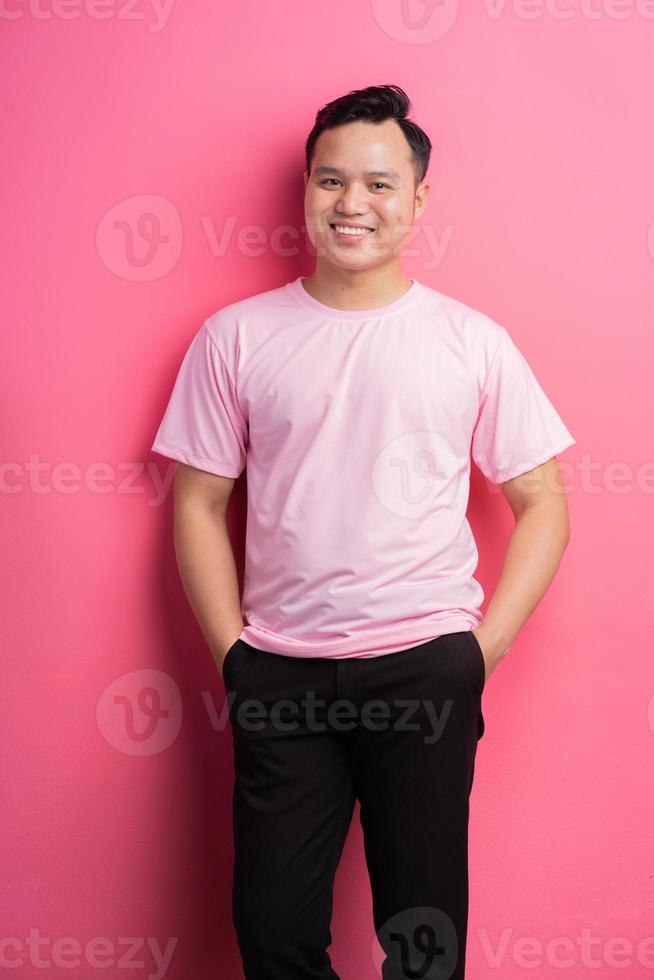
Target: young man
point(358, 656)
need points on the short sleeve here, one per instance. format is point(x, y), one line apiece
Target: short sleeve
point(517, 427)
point(203, 424)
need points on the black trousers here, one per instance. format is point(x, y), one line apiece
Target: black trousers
point(399, 733)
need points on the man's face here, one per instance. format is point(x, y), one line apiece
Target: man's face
point(361, 175)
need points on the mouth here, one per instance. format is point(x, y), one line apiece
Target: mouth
point(351, 231)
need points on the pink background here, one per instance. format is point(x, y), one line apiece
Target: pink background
point(138, 149)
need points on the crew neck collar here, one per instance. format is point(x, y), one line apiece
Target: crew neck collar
point(298, 291)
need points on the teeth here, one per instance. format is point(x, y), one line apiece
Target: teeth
point(353, 231)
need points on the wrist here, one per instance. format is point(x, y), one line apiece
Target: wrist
point(226, 640)
point(493, 641)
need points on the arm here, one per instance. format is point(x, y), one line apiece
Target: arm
point(535, 548)
point(205, 557)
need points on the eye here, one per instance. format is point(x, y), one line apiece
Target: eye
point(377, 183)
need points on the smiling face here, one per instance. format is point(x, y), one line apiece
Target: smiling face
point(361, 197)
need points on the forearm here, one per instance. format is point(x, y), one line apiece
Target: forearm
point(208, 571)
point(533, 554)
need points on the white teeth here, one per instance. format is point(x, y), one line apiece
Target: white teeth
point(353, 231)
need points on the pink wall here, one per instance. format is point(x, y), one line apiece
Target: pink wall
point(116, 819)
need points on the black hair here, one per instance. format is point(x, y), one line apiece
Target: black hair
point(373, 104)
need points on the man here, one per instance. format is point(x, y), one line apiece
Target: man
point(358, 656)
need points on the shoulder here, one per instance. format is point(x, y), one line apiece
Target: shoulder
point(463, 314)
point(480, 334)
point(229, 318)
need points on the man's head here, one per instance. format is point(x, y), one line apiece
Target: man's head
point(365, 167)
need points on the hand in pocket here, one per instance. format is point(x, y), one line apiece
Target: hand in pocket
point(226, 655)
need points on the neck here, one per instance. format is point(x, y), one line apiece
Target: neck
point(351, 289)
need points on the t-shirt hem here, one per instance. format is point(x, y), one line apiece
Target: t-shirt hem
point(366, 644)
point(199, 462)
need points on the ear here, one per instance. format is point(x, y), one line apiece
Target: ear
point(422, 195)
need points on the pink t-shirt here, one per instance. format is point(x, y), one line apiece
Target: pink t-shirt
point(357, 429)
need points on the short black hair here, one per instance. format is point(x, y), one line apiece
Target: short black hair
point(374, 104)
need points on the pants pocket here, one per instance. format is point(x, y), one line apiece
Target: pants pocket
point(481, 663)
point(229, 656)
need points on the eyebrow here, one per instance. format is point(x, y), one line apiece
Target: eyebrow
point(370, 173)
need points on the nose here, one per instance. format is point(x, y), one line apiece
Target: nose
point(351, 202)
